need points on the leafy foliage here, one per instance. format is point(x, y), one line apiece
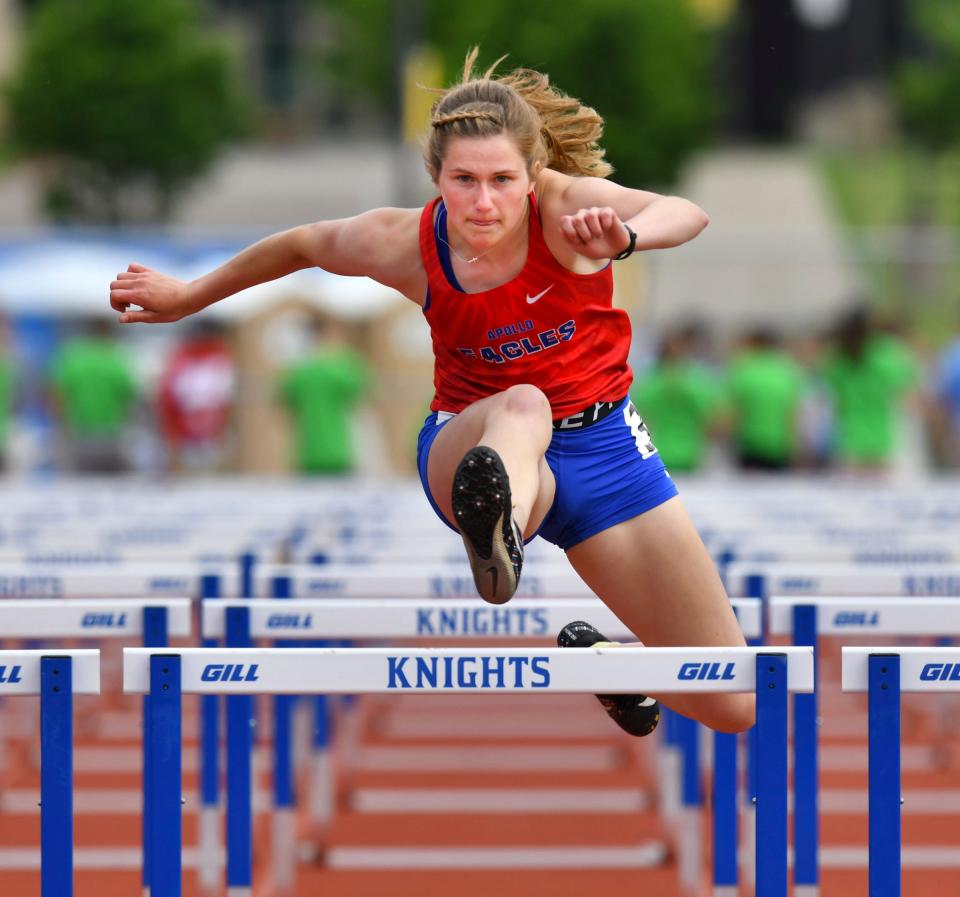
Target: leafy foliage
point(128, 100)
point(928, 88)
point(643, 66)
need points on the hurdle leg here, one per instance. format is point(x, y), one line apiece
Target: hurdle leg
point(749, 851)
point(209, 836)
point(724, 815)
point(284, 800)
point(690, 858)
point(166, 778)
point(884, 775)
point(669, 764)
point(56, 777)
point(806, 790)
point(239, 770)
point(321, 773)
point(284, 823)
point(771, 763)
point(155, 635)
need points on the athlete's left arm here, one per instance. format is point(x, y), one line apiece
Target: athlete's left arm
point(591, 212)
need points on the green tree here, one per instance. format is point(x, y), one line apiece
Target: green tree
point(927, 88)
point(127, 101)
point(643, 65)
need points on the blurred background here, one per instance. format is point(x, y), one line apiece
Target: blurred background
point(815, 324)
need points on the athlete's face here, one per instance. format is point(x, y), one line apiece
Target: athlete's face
point(484, 183)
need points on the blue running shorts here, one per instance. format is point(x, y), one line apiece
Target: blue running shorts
point(606, 473)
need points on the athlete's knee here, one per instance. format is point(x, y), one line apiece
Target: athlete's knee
point(527, 400)
point(730, 713)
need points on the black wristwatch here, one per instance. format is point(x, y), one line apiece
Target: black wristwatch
point(631, 246)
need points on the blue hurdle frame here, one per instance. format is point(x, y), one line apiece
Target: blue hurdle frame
point(806, 790)
point(883, 700)
point(56, 776)
point(166, 706)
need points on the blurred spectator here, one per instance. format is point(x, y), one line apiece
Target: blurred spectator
point(6, 391)
point(321, 391)
point(679, 399)
point(946, 405)
point(94, 390)
point(196, 398)
point(766, 387)
point(867, 373)
point(815, 417)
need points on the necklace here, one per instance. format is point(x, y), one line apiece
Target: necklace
point(436, 230)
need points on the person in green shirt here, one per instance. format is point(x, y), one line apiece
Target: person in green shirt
point(867, 374)
point(321, 393)
point(95, 392)
point(678, 399)
point(765, 388)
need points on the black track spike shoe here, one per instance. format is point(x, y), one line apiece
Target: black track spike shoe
point(482, 510)
point(635, 714)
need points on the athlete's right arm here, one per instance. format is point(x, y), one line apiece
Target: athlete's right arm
point(381, 244)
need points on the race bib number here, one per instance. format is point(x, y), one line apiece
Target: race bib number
point(639, 431)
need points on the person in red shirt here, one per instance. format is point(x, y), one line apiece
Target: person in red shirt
point(530, 430)
point(195, 399)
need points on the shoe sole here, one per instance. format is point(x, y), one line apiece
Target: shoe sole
point(583, 635)
point(482, 504)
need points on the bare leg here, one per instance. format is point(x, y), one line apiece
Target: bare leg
point(655, 574)
point(517, 424)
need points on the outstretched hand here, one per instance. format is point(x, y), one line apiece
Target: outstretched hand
point(163, 299)
point(597, 233)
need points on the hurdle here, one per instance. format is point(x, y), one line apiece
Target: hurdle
point(154, 620)
point(805, 620)
point(771, 673)
point(56, 677)
point(885, 674)
point(408, 581)
point(921, 580)
point(311, 619)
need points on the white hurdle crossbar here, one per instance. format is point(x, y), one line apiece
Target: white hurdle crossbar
point(56, 676)
point(771, 673)
point(885, 674)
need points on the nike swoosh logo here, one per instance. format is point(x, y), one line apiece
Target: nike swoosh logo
point(532, 299)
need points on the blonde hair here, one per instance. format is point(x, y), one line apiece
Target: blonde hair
point(547, 125)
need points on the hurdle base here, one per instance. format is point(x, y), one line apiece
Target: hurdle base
point(240, 892)
point(726, 891)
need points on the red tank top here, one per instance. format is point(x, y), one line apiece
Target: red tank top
point(548, 326)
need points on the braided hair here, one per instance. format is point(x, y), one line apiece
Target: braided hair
point(547, 125)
